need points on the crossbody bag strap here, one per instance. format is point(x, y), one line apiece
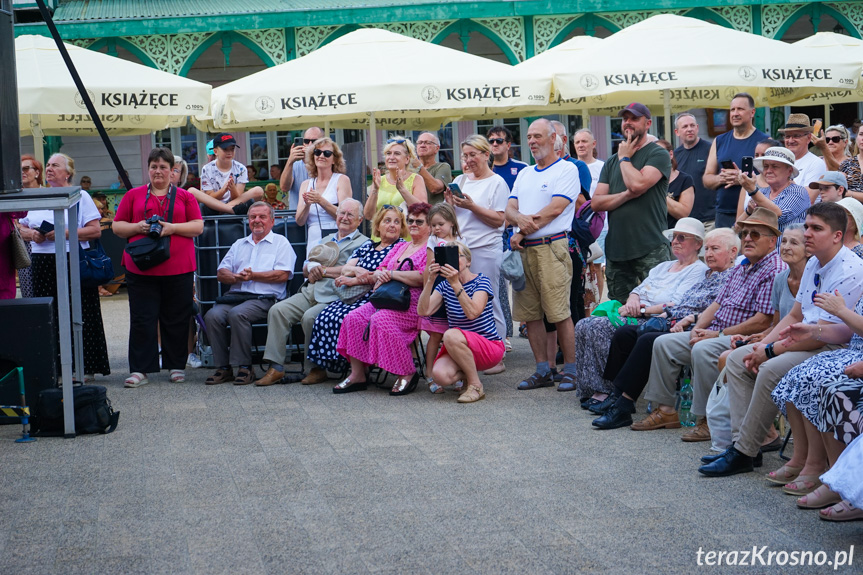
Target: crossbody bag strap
point(172, 191)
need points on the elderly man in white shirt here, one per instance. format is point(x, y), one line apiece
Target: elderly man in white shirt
point(257, 267)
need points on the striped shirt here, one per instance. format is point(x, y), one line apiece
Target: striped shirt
point(748, 291)
point(484, 324)
point(793, 201)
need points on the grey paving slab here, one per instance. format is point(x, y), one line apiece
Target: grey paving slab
point(293, 479)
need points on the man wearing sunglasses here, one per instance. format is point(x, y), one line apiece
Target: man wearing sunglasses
point(754, 370)
point(744, 306)
point(295, 172)
point(436, 175)
point(503, 165)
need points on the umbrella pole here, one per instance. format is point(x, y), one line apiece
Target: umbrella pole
point(373, 140)
point(666, 105)
point(585, 119)
point(38, 138)
point(826, 116)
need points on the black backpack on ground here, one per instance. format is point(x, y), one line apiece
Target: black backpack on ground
point(93, 411)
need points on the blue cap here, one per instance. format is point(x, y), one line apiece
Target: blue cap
point(210, 151)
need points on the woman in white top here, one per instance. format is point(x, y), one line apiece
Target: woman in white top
point(58, 173)
point(479, 210)
point(321, 193)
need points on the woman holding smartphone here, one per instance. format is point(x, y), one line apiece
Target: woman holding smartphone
point(479, 197)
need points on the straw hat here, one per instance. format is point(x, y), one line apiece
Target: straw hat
point(796, 122)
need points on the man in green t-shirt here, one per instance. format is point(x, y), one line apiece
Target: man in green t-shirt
point(632, 188)
point(436, 175)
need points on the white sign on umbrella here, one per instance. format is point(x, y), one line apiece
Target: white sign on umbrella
point(829, 46)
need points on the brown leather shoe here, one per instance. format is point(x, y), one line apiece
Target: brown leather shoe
point(701, 432)
point(316, 375)
point(272, 376)
point(221, 376)
point(657, 420)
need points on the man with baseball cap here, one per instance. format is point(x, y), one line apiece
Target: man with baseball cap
point(632, 188)
point(831, 186)
point(798, 135)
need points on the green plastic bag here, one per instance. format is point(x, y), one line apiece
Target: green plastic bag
point(610, 309)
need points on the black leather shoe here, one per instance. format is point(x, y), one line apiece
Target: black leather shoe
point(757, 461)
point(589, 402)
point(732, 462)
point(613, 418)
point(603, 406)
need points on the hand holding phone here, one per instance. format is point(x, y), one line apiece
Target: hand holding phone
point(727, 164)
point(455, 190)
point(747, 165)
point(816, 126)
point(444, 255)
point(298, 141)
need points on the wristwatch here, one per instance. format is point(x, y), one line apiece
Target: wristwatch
point(643, 310)
point(625, 159)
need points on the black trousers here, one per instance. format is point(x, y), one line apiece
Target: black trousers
point(166, 302)
point(629, 355)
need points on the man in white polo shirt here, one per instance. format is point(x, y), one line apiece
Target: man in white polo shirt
point(541, 206)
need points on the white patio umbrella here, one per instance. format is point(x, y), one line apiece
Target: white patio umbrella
point(373, 74)
point(828, 46)
point(131, 98)
point(674, 61)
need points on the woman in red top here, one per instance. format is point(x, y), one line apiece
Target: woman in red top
point(162, 295)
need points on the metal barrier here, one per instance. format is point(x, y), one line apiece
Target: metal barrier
point(220, 233)
point(22, 411)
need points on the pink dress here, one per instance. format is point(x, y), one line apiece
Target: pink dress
point(390, 332)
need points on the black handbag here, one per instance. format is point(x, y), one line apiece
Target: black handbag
point(93, 411)
point(394, 295)
point(149, 252)
point(96, 266)
point(656, 323)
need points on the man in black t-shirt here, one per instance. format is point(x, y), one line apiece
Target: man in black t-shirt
point(691, 156)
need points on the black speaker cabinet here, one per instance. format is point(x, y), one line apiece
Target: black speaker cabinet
point(27, 340)
point(10, 149)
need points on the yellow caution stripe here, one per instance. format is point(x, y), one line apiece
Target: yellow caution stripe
point(14, 411)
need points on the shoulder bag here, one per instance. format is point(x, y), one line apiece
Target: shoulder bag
point(20, 255)
point(148, 252)
point(96, 266)
point(394, 295)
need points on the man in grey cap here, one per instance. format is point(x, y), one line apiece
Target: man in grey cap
point(632, 188)
point(832, 186)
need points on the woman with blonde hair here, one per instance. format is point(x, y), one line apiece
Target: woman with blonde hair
point(321, 193)
point(396, 186)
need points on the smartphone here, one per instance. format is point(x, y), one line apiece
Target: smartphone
point(727, 164)
point(746, 165)
point(444, 255)
point(816, 125)
point(741, 343)
point(298, 141)
point(45, 227)
point(455, 190)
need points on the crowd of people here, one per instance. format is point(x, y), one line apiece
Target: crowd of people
point(739, 260)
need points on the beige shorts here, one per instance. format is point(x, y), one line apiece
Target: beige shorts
point(547, 278)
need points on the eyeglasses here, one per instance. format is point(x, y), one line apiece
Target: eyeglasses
point(817, 285)
point(412, 221)
point(324, 153)
point(496, 141)
point(754, 234)
point(679, 238)
point(426, 143)
point(834, 139)
point(347, 215)
point(26, 169)
point(470, 156)
point(797, 136)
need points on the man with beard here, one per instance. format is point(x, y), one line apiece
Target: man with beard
point(632, 189)
point(726, 157)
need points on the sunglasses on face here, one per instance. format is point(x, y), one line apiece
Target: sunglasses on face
point(754, 234)
point(324, 153)
point(679, 238)
point(307, 141)
point(817, 285)
point(412, 221)
point(396, 141)
point(834, 139)
point(496, 141)
point(26, 169)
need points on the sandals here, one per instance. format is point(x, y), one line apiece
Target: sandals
point(784, 475)
point(348, 386)
point(435, 388)
point(819, 499)
point(803, 485)
point(842, 511)
point(137, 379)
point(244, 376)
point(404, 386)
point(221, 376)
point(178, 376)
point(471, 395)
